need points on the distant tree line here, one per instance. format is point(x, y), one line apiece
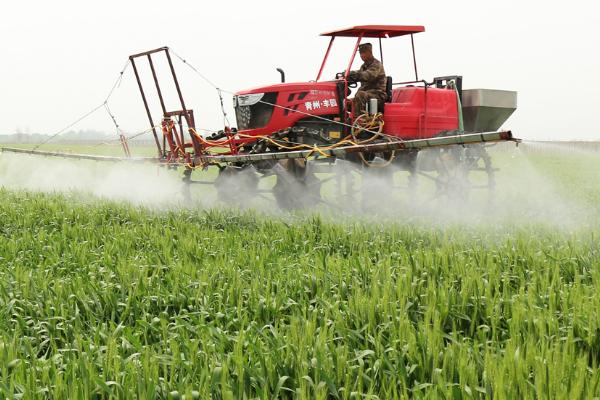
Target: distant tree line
point(87, 135)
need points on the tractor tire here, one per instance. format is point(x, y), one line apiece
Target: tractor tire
point(297, 187)
point(455, 173)
point(236, 185)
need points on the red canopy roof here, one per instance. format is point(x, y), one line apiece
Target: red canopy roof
point(377, 31)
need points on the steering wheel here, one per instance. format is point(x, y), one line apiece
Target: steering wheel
point(352, 83)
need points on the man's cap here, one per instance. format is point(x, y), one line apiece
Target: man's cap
point(365, 47)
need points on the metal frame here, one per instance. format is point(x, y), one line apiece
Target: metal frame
point(466, 139)
point(359, 37)
point(325, 58)
point(203, 159)
point(412, 43)
point(173, 135)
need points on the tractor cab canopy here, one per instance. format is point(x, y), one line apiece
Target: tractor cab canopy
point(371, 31)
point(377, 31)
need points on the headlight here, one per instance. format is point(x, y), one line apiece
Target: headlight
point(248, 99)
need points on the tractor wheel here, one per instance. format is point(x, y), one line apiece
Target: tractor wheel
point(346, 183)
point(377, 187)
point(297, 187)
point(454, 173)
point(236, 185)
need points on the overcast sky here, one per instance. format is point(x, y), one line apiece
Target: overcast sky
point(60, 58)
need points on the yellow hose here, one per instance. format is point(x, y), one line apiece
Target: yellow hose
point(370, 123)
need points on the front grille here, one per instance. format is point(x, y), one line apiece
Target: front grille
point(242, 114)
point(257, 115)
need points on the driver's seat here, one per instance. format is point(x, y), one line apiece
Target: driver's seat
point(388, 89)
point(388, 94)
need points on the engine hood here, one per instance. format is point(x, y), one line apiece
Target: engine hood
point(290, 87)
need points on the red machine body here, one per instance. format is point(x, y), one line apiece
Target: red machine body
point(418, 112)
point(292, 102)
point(411, 111)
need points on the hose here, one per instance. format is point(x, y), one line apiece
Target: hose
point(363, 123)
point(370, 123)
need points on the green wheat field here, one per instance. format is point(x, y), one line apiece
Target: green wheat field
point(107, 299)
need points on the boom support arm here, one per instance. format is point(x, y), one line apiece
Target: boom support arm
point(471, 138)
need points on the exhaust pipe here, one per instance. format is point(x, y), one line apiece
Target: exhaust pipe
point(282, 74)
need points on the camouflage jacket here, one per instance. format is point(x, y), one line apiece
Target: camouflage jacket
point(371, 76)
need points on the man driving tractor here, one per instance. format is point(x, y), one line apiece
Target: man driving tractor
point(372, 78)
